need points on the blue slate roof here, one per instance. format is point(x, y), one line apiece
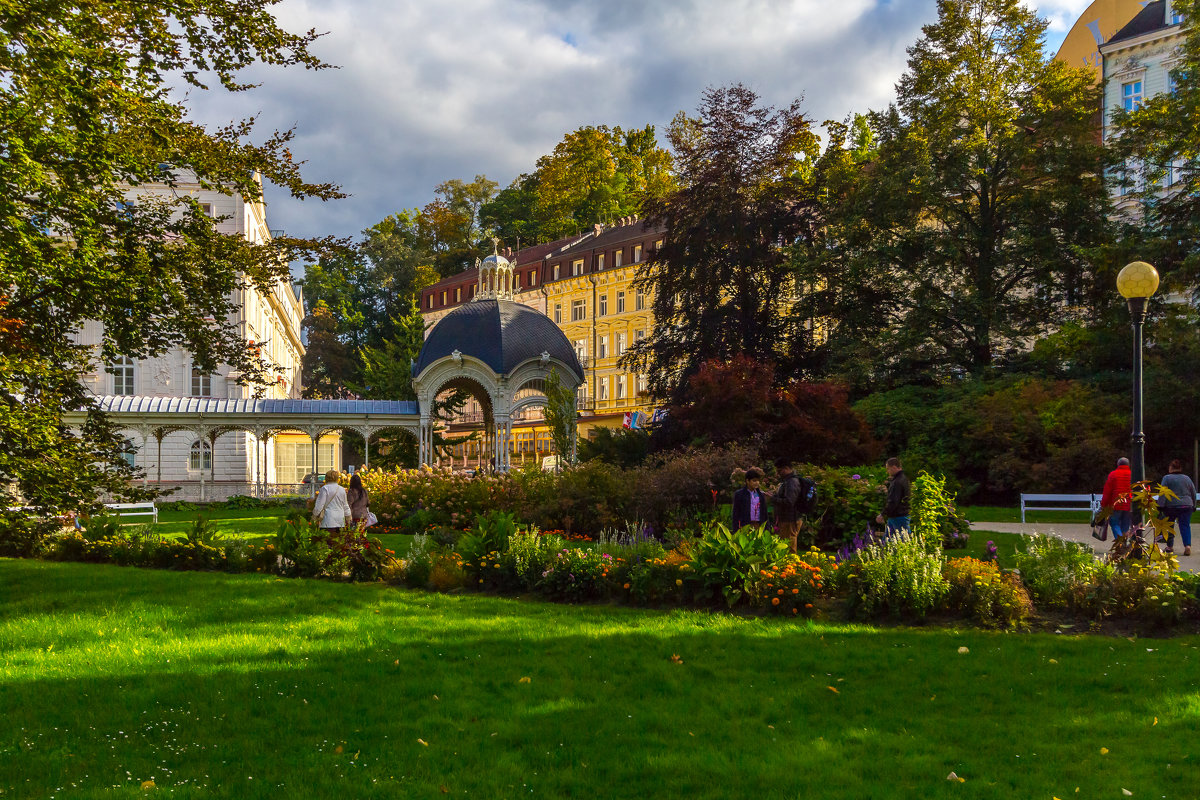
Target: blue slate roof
point(138, 404)
point(500, 333)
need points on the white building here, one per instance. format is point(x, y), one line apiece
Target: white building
point(1138, 61)
point(272, 320)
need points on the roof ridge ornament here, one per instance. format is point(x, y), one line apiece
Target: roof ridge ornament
point(495, 280)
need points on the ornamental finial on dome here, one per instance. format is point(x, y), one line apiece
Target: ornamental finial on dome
point(495, 276)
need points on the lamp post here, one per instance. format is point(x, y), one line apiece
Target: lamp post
point(1137, 282)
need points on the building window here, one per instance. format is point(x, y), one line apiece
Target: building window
point(206, 209)
point(443, 298)
point(195, 461)
point(637, 254)
point(604, 388)
point(641, 384)
point(600, 262)
point(621, 387)
point(1131, 95)
point(639, 300)
point(122, 372)
point(556, 272)
point(129, 453)
point(293, 460)
point(602, 309)
point(429, 301)
point(658, 245)
point(458, 295)
point(621, 344)
point(620, 302)
point(201, 383)
point(533, 277)
point(617, 257)
point(580, 350)
point(578, 310)
point(577, 267)
point(639, 335)
point(558, 312)
point(470, 291)
point(602, 347)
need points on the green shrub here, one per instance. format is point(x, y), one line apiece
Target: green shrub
point(203, 531)
point(979, 590)
point(577, 575)
point(177, 505)
point(418, 562)
point(23, 535)
point(1052, 568)
point(935, 517)
point(489, 538)
point(1134, 590)
point(302, 547)
point(354, 555)
point(724, 561)
point(900, 576)
point(632, 545)
point(528, 556)
point(788, 589)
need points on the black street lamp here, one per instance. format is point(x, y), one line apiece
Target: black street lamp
point(1137, 282)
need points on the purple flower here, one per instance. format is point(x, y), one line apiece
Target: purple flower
point(856, 477)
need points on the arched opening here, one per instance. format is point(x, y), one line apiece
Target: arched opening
point(464, 424)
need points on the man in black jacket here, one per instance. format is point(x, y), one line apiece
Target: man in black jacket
point(749, 503)
point(899, 499)
point(785, 498)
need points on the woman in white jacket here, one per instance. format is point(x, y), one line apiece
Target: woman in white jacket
point(331, 510)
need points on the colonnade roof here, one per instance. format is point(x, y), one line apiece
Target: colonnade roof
point(135, 404)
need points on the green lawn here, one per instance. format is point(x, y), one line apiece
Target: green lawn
point(252, 687)
point(979, 514)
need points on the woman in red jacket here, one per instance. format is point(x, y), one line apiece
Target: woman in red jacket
point(1117, 498)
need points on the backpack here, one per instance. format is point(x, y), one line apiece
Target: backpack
point(807, 501)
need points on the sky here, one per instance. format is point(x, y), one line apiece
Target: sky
point(425, 92)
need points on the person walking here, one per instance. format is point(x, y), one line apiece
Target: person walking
point(896, 508)
point(359, 500)
point(1118, 500)
point(1179, 510)
point(786, 497)
point(749, 502)
point(331, 510)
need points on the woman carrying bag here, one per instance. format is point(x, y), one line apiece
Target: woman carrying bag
point(360, 503)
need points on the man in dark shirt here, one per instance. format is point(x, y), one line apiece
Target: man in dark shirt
point(749, 502)
point(785, 498)
point(899, 499)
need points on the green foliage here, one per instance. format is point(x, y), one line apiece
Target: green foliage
point(788, 589)
point(724, 562)
point(89, 108)
point(899, 576)
point(561, 417)
point(935, 517)
point(23, 535)
point(622, 447)
point(302, 547)
point(980, 591)
point(528, 555)
point(203, 531)
point(577, 575)
point(718, 284)
point(489, 536)
point(631, 545)
point(1052, 569)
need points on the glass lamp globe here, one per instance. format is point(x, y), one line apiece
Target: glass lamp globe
point(1137, 280)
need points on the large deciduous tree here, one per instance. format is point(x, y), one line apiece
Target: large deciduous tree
point(90, 109)
point(720, 284)
point(967, 232)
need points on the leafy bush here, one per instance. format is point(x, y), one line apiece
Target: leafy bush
point(302, 546)
point(978, 589)
point(488, 539)
point(1051, 568)
point(177, 505)
point(355, 555)
point(725, 562)
point(203, 531)
point(1135, 590)
point(935, 517)
point(575, 574)
point(587, 499)
point(633, 545)
point(900, 576)
point(23, 535)
point(788, 589)
point(528, 556)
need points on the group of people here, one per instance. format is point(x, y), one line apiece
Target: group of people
point(336, 507)
point(750, 502)
point(1117, 500)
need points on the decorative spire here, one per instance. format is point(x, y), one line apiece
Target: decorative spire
point(495, 276)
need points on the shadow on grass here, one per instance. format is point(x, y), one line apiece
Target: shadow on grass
point(242, 686)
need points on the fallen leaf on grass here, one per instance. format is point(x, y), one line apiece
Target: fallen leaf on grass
point(435, 697)
point(1127, 793)
point(953, 777)
point(422, 742)
point(772, 727)
point(147, 785)
point(675, 659)
point(396, 663)
point(338, 749)
point(443, 790)
point(524, 680)
point(1103, 751)
point(1054, 661)
point(833, 689)
point(964, 649)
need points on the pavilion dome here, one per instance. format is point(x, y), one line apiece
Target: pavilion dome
point(501, 333)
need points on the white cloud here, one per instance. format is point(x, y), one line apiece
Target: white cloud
point(426, 92)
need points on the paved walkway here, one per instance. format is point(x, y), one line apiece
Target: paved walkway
point(1077, 532)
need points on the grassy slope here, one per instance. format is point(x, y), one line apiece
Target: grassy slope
point(246, 687)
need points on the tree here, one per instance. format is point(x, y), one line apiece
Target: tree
point(720, 283)
point(561, 418)
point(88, 113)
point(1158, 146)
point(968, 232)
point(328, 367)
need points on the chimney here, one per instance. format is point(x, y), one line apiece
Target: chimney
point(597, 229)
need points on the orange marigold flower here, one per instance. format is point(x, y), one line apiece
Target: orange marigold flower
point(627, 586)
point(795, 591)
point(781, 591)
point(808, 605)
point(774, 601)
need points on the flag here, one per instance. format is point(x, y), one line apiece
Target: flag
point(627, 421)
point(659, 415)
point(635, 420)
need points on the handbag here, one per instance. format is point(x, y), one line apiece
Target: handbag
point(371, 519)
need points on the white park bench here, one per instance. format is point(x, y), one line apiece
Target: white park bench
point(1063, 502)
point(133, 509)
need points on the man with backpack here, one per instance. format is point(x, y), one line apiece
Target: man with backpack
point(793, 497)
point(899, 499)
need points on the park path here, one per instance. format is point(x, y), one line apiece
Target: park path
point(1075, 532)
